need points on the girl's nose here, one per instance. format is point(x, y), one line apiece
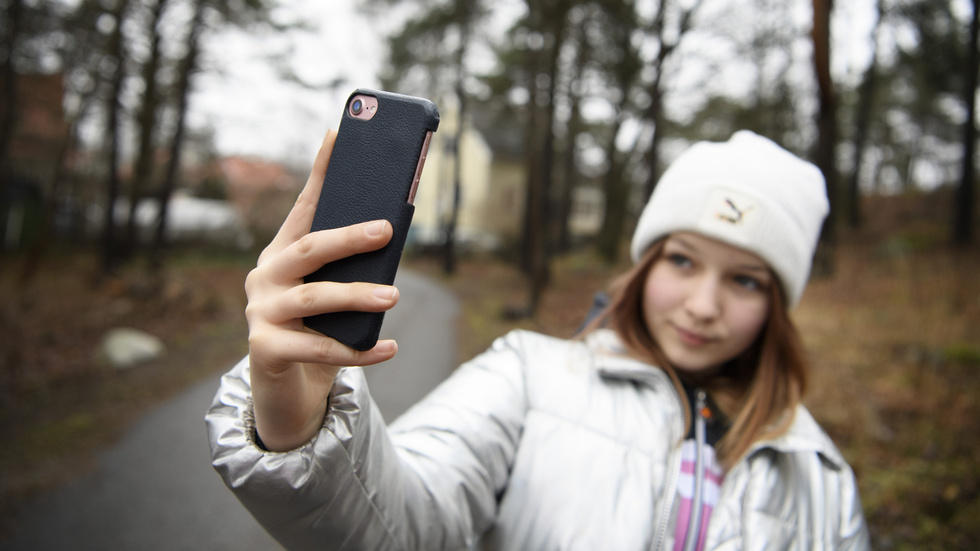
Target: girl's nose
point(704, 300)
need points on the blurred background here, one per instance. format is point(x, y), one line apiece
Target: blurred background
point(150, 148)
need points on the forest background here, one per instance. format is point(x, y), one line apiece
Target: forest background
point(598, 93)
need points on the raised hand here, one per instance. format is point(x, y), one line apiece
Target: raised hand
point(293, 368)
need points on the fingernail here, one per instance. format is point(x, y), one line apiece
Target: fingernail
point(375, 229)
point(386, 346)
point(385, 293)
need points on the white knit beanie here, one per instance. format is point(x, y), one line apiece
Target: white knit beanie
point(747, 192)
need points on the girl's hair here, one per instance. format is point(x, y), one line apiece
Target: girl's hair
point(758, 390)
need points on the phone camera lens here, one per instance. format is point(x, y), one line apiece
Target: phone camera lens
point(356, 107)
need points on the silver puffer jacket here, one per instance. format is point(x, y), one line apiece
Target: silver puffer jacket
point(537, 444)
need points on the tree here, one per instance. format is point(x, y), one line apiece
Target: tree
point(862, 121)
point(119, 65)
point(246, 13)
point(964, 206)
point(116, 56)
point(147, 120)
point(575, 126)
point(623, 65)
point(667, 44)
point(826, 130)
point(153, 100)
point(187, 69)
point(640, 82)
point(437, 41)
point(921, 79)
point(26, 35)
point(549, 20)
point(12, 30)
point(25, 30)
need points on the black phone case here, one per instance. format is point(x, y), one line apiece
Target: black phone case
point(369, 177)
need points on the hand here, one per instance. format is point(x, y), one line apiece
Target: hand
point(293, 368)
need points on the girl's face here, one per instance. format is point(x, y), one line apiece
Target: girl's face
point(705, 302)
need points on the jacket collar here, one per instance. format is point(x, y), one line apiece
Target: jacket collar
point(803, 434)
point(613, 361)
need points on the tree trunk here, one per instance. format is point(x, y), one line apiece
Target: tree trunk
point(558, 31)
point(655, 111)
point(862, 123)
point(536, 265)
point(826, 128)
point(570, 177)
point(148, 122)
point(188, 68)
point(532, 177)
point(533, 246)
point(117, 53)
point(8, 87)
point(615, 191)
point(574, 128)
point(964, 205)
point(449, 258)
point(540, 273)
point(655, 115)
point(449, 245)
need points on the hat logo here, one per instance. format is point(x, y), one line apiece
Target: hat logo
point(733, 214)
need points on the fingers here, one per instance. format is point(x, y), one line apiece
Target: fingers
point(294, 347)
point(323, 297)
point(313, 250)
point(300, 218)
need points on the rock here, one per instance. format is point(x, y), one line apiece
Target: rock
point(124, 347)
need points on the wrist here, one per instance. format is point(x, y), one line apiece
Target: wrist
point(281, 436)
point(289, 407)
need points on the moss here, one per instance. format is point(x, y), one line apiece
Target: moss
point(965, 353)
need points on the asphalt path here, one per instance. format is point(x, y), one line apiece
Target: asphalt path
point(156, 490)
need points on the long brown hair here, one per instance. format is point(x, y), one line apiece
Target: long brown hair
point(758, 390)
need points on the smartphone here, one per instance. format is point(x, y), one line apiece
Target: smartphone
point(373, 174)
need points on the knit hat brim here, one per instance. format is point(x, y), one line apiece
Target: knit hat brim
point(747, 192)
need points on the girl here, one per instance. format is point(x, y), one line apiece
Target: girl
point(674, 422)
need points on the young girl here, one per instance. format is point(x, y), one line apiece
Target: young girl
point(674, 422)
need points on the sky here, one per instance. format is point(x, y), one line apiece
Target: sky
point(254, 111)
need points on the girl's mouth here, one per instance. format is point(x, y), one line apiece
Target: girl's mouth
point(691, 338)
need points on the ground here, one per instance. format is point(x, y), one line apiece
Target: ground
point(892, 335)
point(59, 402)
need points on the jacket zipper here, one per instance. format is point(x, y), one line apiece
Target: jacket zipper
point(674, 474)
point(694, 524)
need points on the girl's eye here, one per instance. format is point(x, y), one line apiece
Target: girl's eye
point(748, 282)
point(679, 260)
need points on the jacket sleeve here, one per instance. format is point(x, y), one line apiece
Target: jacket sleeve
point(430, 482)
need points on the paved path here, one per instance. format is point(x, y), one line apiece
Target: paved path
point(156, 489)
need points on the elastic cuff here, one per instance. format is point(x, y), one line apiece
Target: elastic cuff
point(249, 419)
